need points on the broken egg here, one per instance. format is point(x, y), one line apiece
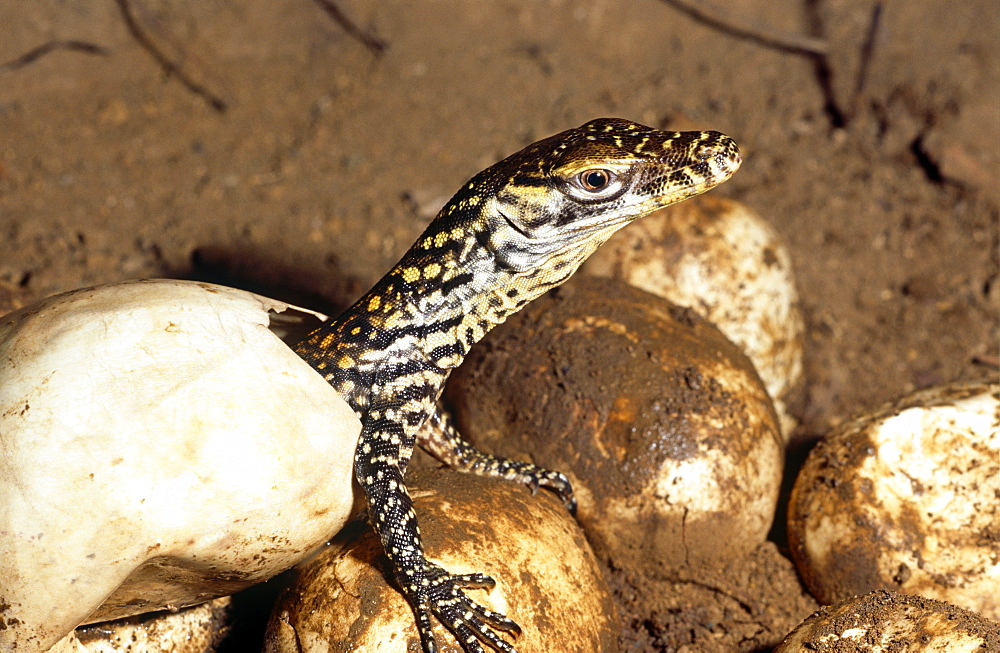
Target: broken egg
point(159, 447)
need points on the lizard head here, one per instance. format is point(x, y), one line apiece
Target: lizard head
point(551, 204)
point(527, 223)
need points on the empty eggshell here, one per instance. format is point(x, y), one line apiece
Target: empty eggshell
point(159, 447)
point(727, 263)
point(906, 498)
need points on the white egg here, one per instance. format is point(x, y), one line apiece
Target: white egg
point(159, 447)
point(906, 498)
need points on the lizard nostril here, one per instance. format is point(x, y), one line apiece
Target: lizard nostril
point(708, 151)
point(724, 155)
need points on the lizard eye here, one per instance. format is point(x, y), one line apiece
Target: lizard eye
point(596, 184)
point(595, 180)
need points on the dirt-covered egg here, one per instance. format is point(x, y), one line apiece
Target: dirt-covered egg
point(159, 447)
point(884, 621)
point(662, 424)
point(728, 263)
point(548, 580)
point(906, 498)
point(197, 629)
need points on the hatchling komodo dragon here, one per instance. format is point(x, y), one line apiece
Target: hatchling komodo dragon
point(518, 228)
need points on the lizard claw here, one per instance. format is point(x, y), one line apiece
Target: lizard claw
point(558, 483)
point(470, 623)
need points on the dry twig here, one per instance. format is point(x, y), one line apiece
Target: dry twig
point(169, 66)
point(816, 48)
point(34, 54)
point(867, 55)
point(711, 14)
point(369, 40)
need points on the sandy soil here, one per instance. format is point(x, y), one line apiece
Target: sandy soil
point(307, 161)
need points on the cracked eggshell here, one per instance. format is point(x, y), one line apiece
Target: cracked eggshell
point(887, 621)
point(548, 580)
point(662, 424)
point(906, 498)
point(159, 447)
point(726, 262)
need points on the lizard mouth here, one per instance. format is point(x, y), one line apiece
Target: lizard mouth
point(514, 225)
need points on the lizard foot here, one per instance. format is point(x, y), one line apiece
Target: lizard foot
point(555, 481)
point(472, 625)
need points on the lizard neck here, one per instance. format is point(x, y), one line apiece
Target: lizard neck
point(445, 294)
point(468, 272)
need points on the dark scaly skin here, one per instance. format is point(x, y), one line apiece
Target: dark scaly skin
point(439, 437)
point(515, 230)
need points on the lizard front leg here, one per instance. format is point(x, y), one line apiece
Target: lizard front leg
point(439, 437)
point(384, 448)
